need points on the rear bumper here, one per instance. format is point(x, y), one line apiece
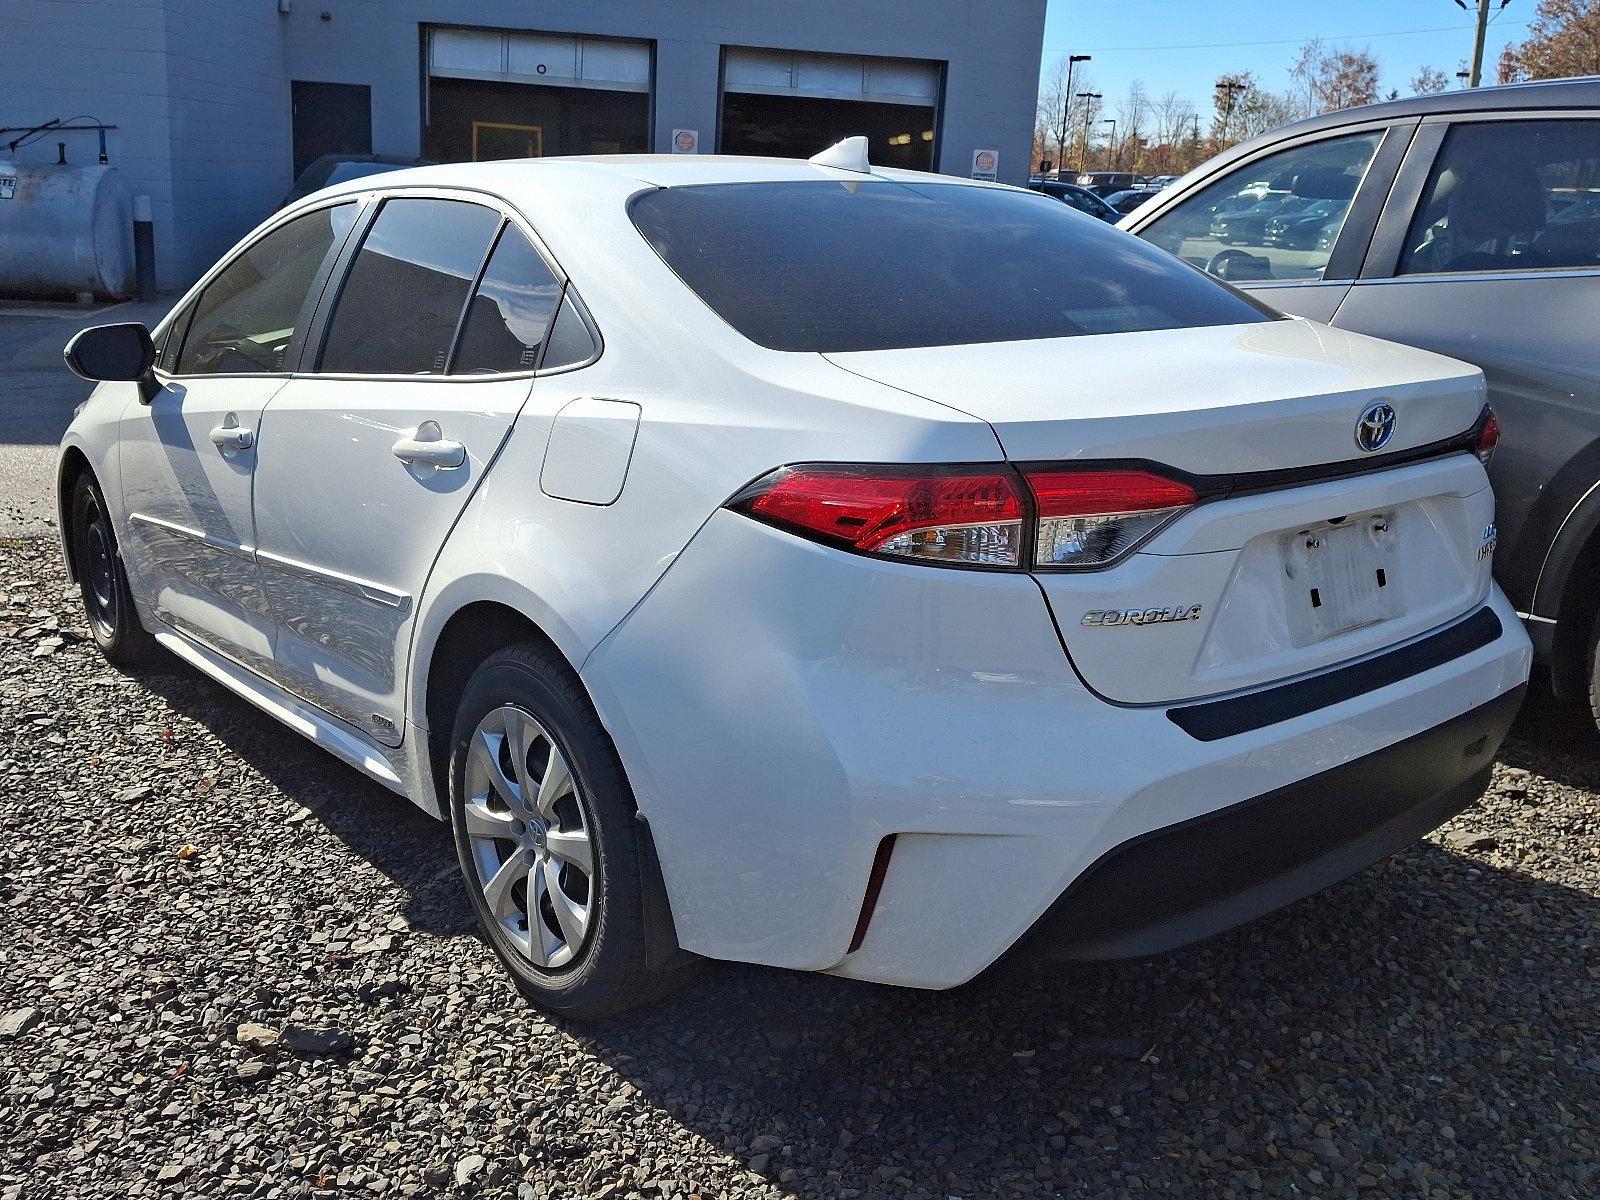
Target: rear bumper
point(783, 708)
point(1189, 881)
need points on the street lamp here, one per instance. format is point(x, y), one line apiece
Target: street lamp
point(1066, 111)
point(1111, 146)
point(1088, 98)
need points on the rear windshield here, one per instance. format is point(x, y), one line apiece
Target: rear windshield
point(822, 266)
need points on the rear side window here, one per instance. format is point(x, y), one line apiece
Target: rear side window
point(823, 266)
point(571, 343)
point(1510, 196)
point(511, 311)
point(398, 310)
point(247, 316)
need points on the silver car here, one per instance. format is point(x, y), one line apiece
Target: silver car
point(1466, 223)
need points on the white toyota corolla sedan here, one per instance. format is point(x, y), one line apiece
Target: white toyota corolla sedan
point(843, 569)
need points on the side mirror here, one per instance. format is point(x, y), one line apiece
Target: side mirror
point(120, 353)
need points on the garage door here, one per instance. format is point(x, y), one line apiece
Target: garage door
point(507, 94)
point(793, 103)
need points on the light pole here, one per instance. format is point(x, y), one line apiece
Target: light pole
point(1111, 146)
point(1066, 112)
point(1088, 98)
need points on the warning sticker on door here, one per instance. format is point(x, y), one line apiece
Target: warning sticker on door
point(8, 186)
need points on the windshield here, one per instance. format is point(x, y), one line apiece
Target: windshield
point(822, 266)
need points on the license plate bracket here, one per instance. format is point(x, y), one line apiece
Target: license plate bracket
point(1342, 576)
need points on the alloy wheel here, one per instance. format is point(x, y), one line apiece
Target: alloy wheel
point(529, 837)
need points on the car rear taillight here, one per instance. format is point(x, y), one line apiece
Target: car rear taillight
point(963, 515)
point(976, 516)
point(1488, 437)
point(1090, 518)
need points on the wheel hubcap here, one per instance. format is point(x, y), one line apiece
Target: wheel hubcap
point(98, 570)
point(530, 839)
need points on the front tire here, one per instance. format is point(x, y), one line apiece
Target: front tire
point(1594, 672)
point(102, 581)
point(548, 837)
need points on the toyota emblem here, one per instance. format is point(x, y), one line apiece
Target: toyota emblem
point(1375, 426)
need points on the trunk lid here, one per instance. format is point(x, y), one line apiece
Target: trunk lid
point(1250, 588)
point(1211, 401)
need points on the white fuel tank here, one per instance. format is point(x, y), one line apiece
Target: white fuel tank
point(65, 229)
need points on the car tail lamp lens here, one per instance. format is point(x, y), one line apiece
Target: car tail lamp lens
point(970, 516)
point(1488, 438)
point(963, 516)
point(1092, 518)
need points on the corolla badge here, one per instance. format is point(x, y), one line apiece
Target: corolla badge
point(1105, 618)
point(1375, 426)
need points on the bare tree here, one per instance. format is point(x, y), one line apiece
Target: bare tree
point(1174, 125)
point(1327, 78)
point(1428, 81)
point(1131, 137)
point(1050, 117)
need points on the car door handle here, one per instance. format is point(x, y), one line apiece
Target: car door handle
point(428, 448)
point(232, 437)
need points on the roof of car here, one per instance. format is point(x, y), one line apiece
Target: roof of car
point(650, 170)
point(1546, 93)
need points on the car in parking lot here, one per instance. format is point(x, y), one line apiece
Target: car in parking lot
point(1465, 223)
point(740, 580)
point(330, 169)
point(1106, 183)
point(1127, 201)
point(1077, 197)
point(1302, 228)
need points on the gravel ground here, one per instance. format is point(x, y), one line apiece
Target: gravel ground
point(232, 967)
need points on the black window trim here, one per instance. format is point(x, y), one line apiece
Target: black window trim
point(317, 328)
point(1394, 224)
point(1361, 219)
point(173, 330)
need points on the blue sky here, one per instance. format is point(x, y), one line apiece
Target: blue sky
point(1130, 38)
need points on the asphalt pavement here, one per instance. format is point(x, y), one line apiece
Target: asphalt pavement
point(37, 396)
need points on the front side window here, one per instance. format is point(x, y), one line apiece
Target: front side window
point(1274, 219)
point(398, 310)
point(1510, 196)
point(511, 311)
point(247, 316)
point(823, 266)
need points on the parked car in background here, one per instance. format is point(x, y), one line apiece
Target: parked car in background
point(729, 572)
point(341, 168)
point(1126, 202)
point(1105, 183)
point(1301, 229)
point(1248, 227)
point(1163, 181)
point(1467, 223)
point(1077, 197)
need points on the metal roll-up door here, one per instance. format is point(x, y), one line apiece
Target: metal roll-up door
point(511, 94)
point(793, 103)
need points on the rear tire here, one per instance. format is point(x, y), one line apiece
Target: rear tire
point(1593, 664)
point(103, 583)
point(549, 839)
